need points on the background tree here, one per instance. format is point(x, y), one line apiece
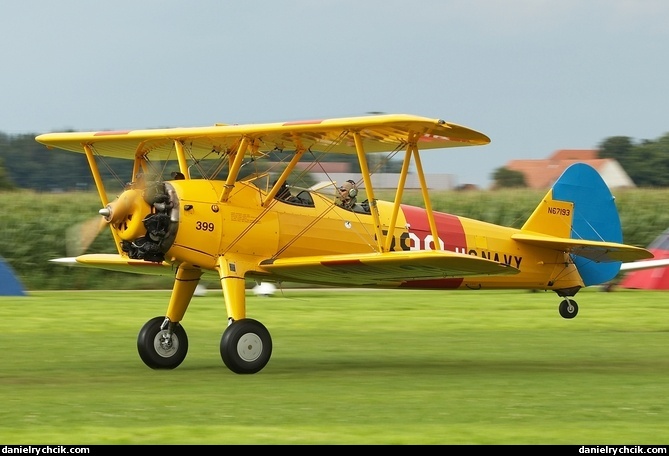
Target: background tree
point(646, 162)
point(508, 178)
point(29, 165)
point(5, 182)
point(617, 147)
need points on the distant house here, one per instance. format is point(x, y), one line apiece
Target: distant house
point(543, 173)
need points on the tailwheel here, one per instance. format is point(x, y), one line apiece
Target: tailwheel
point(246, 346)
point(568, 308)
point(162, 348)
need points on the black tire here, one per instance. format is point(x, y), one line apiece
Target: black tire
point(153, 350)
point(568, 308)
point(246, 346)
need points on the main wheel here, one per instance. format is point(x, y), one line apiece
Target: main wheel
point(246, 346)
point(568, 308)
point(159, 351)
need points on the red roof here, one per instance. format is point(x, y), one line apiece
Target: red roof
point(544, 172)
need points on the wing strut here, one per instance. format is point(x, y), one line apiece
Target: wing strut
point(426, 196)
point(398, 197)
point(234, 168)
point(412, 149)
point(97, 178)
point(284, 175)
point(364, 169)
point(96, 175)
point(181, 158)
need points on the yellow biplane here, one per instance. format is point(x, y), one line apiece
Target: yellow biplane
point(206, 218)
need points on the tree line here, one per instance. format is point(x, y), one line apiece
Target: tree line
point(26, 164)
point(646, 162)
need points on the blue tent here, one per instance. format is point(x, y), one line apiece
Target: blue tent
point(9, 284)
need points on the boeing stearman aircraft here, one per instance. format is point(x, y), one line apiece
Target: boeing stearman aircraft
point(225, 212)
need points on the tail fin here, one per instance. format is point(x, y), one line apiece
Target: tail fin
point(582, 195)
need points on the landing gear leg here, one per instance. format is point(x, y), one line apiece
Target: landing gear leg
point(246, 345)
point(162, 342)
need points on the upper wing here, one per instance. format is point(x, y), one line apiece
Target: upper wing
point(384, 268)
point(381, 133)
point(598, 251)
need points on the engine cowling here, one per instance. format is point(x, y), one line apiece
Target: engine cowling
point(146, 220)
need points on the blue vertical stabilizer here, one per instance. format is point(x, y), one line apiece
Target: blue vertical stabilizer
point(595, 217)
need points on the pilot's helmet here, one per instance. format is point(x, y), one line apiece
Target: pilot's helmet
point(348, 189)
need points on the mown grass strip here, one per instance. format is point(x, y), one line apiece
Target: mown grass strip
point(349, 367)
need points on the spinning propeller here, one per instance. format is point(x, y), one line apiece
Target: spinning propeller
point(79, 237)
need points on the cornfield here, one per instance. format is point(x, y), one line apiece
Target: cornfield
point(34, 226)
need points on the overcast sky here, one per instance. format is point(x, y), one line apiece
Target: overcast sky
point(534, 75)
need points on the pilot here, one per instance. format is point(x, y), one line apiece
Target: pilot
point(346, 197)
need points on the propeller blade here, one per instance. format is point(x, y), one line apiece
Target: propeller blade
point(79, 237)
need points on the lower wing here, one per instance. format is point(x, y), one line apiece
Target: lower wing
point(351, 269)
point(383, 268)
point(114, 262)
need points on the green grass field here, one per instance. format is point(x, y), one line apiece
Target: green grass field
point(366, 367)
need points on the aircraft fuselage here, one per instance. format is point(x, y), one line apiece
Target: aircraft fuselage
point(207, 227)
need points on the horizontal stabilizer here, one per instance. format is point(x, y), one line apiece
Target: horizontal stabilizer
point(597, 251)
point(640, 265)
point(384, 268)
